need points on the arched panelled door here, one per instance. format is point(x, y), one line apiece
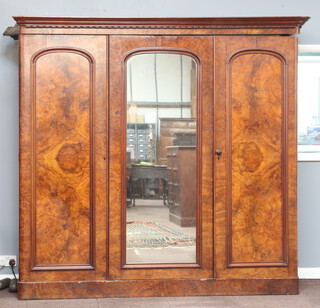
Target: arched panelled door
point(162, 203)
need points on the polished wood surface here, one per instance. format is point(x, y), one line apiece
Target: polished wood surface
point(63, 172)
point(257, 109)
point(182, 184)
point(255, 178)
point(168, 128)
point(162, 287)
point(73, 156)
point(174, 26)
point(63, 158)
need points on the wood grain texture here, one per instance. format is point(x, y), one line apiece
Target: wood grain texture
point(181, 26)
point(259, 144)
point(63, 167)
point(163, 287)
point(170, 126)
point(182, 185)
point(144, 30)
point(63, 159)
point(257, 155)
point(289, 49)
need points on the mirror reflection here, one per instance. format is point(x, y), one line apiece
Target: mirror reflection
point(161, 158)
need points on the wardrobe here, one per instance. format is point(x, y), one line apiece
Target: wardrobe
point(235, 79)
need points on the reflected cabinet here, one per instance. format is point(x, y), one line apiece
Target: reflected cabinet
point(157, 156)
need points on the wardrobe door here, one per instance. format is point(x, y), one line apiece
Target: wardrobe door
point(255, 176)
point(63, 158)
point(160, 210)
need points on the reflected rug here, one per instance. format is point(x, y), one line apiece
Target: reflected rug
point(153, 235)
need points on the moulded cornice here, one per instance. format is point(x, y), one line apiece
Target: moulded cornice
point(291, 24)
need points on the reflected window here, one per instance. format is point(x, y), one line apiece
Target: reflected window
point(161, 158)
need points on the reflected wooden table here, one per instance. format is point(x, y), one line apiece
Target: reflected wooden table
point(141, 173)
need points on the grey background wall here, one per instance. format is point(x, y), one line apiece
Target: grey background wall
point(308, 172)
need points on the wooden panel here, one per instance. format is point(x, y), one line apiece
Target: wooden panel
point(161, 287)
point(257, 110)
point(255, 103)
point(63, 163)
point(182, 185)
point(170, 126)
point(63, 171)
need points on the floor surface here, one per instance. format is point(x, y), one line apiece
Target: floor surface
point(309, 297)
point(147, 210)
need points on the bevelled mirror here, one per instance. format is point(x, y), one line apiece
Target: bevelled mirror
point(161, 159)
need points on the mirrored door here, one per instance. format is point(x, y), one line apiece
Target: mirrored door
point(161, 158)
point(158, 92)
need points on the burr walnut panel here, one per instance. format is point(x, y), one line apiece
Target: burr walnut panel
point(63, 171)
point(63, 174)
point(257, 156)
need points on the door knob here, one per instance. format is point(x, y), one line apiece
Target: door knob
point(218, 152)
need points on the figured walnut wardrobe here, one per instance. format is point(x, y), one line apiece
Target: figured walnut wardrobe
point(72, 155)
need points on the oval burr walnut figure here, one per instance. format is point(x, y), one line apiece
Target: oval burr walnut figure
point(249, 155)
point(69, 159)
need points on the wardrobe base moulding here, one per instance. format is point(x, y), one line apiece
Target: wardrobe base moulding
point(157, 288)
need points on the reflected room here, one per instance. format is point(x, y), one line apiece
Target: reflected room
point(161, 149)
